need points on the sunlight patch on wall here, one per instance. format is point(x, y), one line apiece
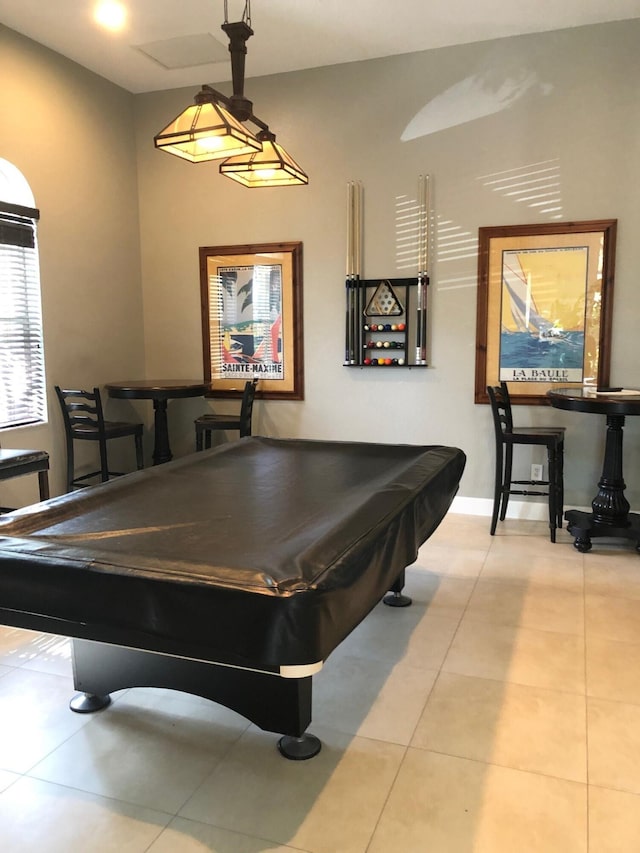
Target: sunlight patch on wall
point(456, 248)
point(485, 93)
point(536, 186)
point(448, 243)
point(407, 233)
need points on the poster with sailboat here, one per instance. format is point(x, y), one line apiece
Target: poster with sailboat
point(543, 325)
point(544, 307)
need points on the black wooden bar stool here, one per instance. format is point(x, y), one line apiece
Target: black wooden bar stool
point(84, 421)
point(506, 438)
point(205, 424)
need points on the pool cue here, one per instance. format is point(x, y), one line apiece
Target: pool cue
point(359, 308)
point(348, 356)
point(423, 277)
point(354, 280)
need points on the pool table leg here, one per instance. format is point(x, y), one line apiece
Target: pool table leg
point(299, 748)
point(275, 704)
point(87, 703)
point(395, 598)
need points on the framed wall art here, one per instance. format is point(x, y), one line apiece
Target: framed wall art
point(251, 299)
point(544, 307)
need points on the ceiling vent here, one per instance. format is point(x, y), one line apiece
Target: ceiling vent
point(186, 51)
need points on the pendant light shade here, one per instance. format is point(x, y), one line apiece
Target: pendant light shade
point(214, 128)
point(271, 167)
point(206, 131)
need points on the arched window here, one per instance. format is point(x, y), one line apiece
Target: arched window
point(22, 378)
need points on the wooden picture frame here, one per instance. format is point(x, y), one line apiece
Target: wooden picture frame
point(544, 307)
point(251, 302)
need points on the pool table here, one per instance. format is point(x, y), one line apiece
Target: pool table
point(231, 574)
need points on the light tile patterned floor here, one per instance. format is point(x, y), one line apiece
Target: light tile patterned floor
point(499, 713)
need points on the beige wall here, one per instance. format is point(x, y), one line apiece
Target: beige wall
point(569, 100)
point(120, 304)
point(71, 134)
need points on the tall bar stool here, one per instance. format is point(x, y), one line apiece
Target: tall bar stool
point(506, 438)
point(84, 421)
point(206, 424)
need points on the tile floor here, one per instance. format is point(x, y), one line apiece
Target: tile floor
point(498, 714)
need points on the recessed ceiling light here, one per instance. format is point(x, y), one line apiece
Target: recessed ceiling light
point(110, 14)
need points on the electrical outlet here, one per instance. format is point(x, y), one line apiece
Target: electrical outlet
point(536, 473)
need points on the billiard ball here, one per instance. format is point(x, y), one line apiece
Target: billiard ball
point(366, 327)
point(387, 327)
point(387, 361)
point(379, 344)
point(386, 345)
point(394, 327)
point(401, 327)
point(367, 361)
point(401, 361)
point(381, 361)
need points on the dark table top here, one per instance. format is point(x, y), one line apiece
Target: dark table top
point(157, 389)
point(596, 402)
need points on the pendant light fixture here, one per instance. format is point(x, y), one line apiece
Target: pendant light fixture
point(271, 167)
point(206, 131)
point(213, 128)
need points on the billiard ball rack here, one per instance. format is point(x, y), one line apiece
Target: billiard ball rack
point(386, 340)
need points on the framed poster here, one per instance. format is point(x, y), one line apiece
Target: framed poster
point(544, 307)
point(251, 299)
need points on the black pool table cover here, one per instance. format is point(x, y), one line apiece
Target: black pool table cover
point(263, 553)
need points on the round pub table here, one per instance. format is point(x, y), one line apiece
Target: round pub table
point(160, 391)
point(610, 514)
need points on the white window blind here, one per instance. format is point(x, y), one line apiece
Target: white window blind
point(22, 378)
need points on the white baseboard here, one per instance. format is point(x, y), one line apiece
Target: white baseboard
point(528, 510)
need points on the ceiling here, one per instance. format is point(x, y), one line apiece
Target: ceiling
point(172, 43)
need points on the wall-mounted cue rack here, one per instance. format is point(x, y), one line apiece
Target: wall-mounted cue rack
point(386, 319)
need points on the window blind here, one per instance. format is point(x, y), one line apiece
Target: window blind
point(22, 377)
